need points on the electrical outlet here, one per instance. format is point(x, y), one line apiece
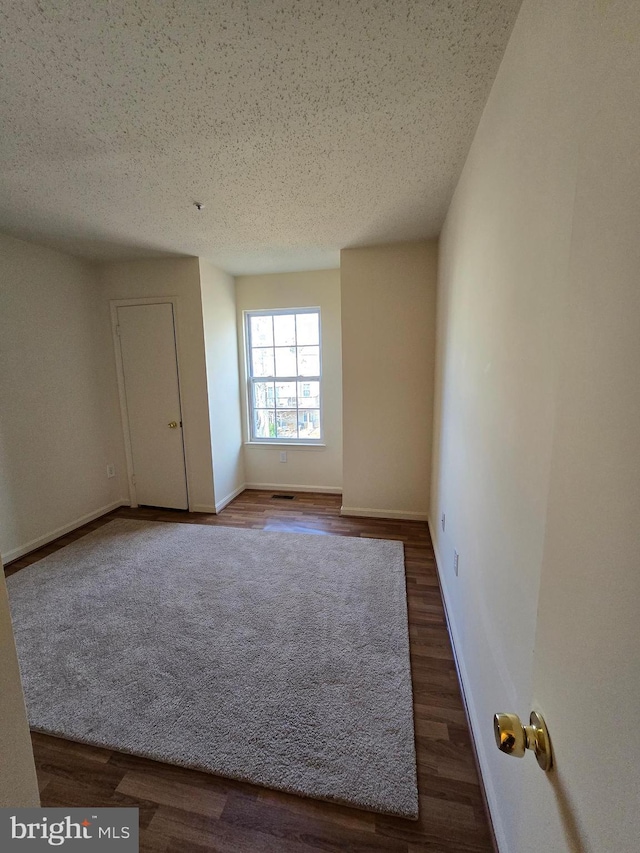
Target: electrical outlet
point(111, 470)
point(455, 562)
point(442, 520)
point(283, 455)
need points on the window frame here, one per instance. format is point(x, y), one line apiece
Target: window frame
point(251, 379)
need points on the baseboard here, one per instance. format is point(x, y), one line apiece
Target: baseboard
point(488, 793)
point(21, 550)
point(221, 504)
point(365, 512)
point(288, 487)
point(208, 508)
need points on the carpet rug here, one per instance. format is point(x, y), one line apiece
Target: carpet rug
point(280, 659)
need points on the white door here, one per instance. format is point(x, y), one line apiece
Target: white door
point(587, 648)
point(18, 781)
point(150, 367)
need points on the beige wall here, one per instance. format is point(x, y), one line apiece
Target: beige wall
point(221, 344)
point(18, 782)
point(55, 397)
point(306, 467)
point(537, 446)
point(388, 331)
point(178, 277)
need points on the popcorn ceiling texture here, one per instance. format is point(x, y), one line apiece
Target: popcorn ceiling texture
point(276, 658)
point(305, 127)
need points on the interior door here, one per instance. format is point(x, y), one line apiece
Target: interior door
point(587, 648)
point(150, 367)
point(18, 781)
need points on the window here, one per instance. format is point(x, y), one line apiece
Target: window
point(284, 374)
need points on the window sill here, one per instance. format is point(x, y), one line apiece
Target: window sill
point(292, 445)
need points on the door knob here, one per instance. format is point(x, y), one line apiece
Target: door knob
point(515, 739)
point(173, 424)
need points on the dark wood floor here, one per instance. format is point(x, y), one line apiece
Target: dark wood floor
point(184, 810)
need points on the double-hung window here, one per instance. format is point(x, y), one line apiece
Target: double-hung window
point(284, 375)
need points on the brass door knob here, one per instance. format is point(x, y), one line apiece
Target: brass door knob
point(515, 739)
point(173, 424)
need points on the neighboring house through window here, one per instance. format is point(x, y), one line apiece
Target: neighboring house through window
point(284, 375)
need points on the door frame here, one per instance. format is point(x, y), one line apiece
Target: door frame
point(124, 412)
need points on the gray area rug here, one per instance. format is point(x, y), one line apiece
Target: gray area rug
point(280, 659)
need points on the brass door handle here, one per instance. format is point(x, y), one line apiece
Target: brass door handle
point(173, 424)
point(515, 739)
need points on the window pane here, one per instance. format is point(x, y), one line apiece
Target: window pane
point(263, 395)
point(308, 361)
point(286, 424)
point(309, 423)
point(262, 359)
point(264, 422)
point(261, 331)
point(284, 329)
point(285, 361)
point(309, 395)
point(286, 395)
point(308, 329)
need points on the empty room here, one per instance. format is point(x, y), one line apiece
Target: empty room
point(319, 443)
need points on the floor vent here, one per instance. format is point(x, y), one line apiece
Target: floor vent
point(283, 497)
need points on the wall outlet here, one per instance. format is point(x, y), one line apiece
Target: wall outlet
point(111, 470)
point(455, 562)
point(283, 455)
point(442, 521)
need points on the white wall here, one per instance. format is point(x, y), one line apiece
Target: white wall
point(55, 397)
point(306, 467)
point(388, 350)
point(536, 444)
point(178, 277)
point(18, 782)
point(221, 344)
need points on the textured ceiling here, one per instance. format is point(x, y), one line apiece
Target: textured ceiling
point(305, 126)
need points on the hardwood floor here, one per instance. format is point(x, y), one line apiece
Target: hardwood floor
point(184, 810)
